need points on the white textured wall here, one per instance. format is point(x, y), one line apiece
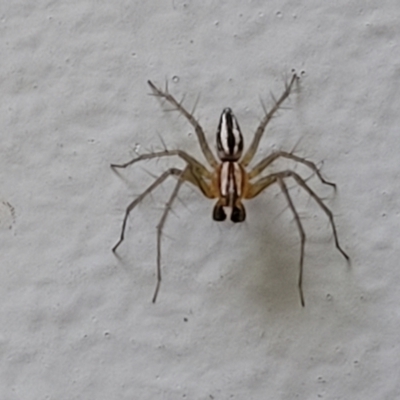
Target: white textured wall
point(76, 322)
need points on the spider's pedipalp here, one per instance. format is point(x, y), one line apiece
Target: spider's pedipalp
point(238, 213)
point(219, 213)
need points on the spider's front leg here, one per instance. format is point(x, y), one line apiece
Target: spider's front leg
point(173, 171)
point(194, 173)
point(198, 129)
point(160, 227)
point(193, 177)
point(256, 188)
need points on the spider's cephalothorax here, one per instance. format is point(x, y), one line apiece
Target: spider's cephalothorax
point(230, 180)
point(230, 176)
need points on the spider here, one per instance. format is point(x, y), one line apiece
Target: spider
point(230, 180)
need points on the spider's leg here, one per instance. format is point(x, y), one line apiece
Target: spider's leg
point(186, 175)
point(302, 183)
point(260, 167)
point(285, 191)
point(160, 227)
point(195, 165)
point(157, 182)
point(197, 180)
point(267, 117)
point(198, 129)
point(255, 189)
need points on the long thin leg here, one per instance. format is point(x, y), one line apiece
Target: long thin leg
point(302, 236)
point(198, 129)
point(187, 175)
point(157, 182)
point(260, 167)
point(195, 165)
point(160, 227)
point(302, 183)
point(261, 128)
point(257, 187)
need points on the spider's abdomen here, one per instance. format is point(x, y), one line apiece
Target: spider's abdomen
point(229, 137)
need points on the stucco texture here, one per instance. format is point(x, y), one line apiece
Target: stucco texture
point(77, 321)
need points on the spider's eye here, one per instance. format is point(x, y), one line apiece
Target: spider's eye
point(229, 137)
point(238, 213)
point(219, 213)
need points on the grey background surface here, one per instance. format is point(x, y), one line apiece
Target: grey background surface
point(77, 322)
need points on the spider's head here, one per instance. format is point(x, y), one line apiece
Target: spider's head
point(229, 137)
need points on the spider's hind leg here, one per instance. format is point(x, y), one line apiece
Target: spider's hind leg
point(264, 122)
point(197, 127)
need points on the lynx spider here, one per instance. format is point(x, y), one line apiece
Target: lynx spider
point(229, 181)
